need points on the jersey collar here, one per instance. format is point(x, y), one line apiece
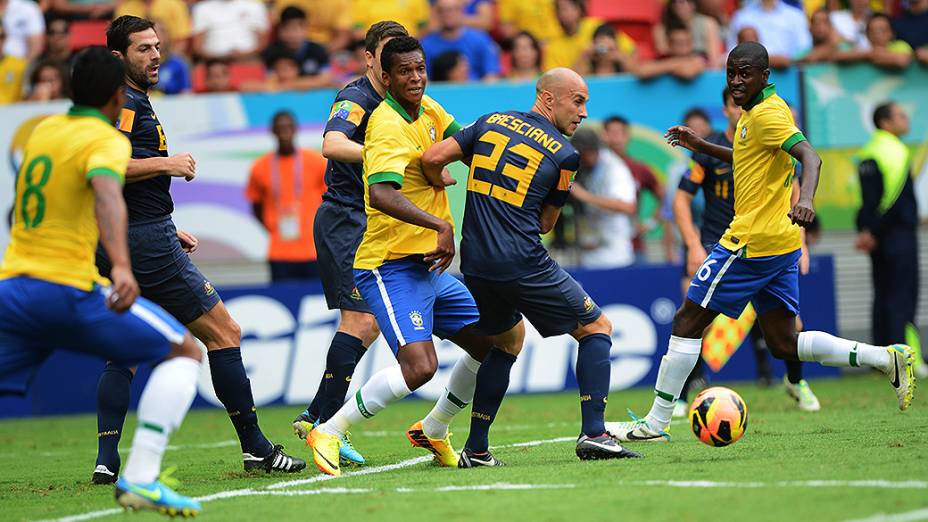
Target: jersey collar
point(768, 91)
point(83, 110)
point(391, 101)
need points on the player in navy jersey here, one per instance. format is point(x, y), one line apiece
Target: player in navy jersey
point(715, 178)
point(521, 171)
point(338, 228)
point(163, 269)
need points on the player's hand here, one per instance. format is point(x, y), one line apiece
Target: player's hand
point(866, 241)
point(446, 178)
point(125, 289)
point(182, 166)
point(441, 257)
point(682, 136)
point(695, 257)
point(187, 241)
point(802, 213)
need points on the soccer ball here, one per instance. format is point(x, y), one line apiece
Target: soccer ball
point(718, 416)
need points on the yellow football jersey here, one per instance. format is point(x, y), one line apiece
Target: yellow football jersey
point(763, 177)
point(393, 147)
point(54, 235)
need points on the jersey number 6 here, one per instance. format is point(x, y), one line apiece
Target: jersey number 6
point(522, 175)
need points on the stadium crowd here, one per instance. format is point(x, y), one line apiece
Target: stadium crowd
point(250, 45)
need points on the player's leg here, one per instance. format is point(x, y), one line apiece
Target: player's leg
point(797, 387)
point(761, 357)
point(113, 390)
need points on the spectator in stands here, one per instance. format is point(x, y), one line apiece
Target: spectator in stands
point(174, 16)
point(173, 71)
point(718, 10)
point(912, 25)
point(347, 66)
point(887, 224)
point(24, 27)
point(704, 30)
point(698, 120)
point(478, 14)
point(12, 71)
point(229, 29)
point(285, 189)
point(478, 48)
point(825, 40)
point(607, 190)
point(57, 42)
point(312, 58)
point(450, 66)
point(682, 61)
point(82, 9)
point(524, 57)
point(411, 14)
point(617, 135)
point(217, 77)
point(851, 23)
point(48, 82)
point(330, 21)
point(604, 57)
point(537, 18)
point(781, 28)
point(283, 75)
point(885, 50)
point(576, 36)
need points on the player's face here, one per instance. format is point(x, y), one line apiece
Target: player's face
point(570, 109)
point(745, 81)
point(373, 60)
point(143, 58)
point(406, 79)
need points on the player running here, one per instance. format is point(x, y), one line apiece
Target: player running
point(520, 177)
point(68, 196)
point(714, 177)
point(165, 273)
point(756, 258)
point(338, 229)
point(400, 264)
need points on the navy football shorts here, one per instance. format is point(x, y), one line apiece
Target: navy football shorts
point(337, 232)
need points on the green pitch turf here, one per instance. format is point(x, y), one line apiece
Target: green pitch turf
point(857, 458)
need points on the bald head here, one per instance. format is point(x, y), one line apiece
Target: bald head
point(561, 96)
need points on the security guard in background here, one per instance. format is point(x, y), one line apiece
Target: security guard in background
point(887, 228)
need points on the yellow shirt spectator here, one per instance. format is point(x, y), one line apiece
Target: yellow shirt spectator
point(12, 70)
point(326, 18)
point(537, 18)
point(174, 14)
point(565, 50)
point(412, 14)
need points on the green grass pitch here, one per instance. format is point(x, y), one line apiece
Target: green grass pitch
point(856, 459)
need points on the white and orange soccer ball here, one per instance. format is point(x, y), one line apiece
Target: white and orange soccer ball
point(718, 416)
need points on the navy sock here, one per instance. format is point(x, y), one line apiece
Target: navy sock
point(313, 409)
point(593, 371)
point(344, 354)
point(492, 383)
point(234, 391)
point(113, 391)
point(794, 371)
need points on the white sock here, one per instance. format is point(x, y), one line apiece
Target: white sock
point(384, 387)
point(164, 403)
point(676, 365)
point(834, 351)
point(459, 392)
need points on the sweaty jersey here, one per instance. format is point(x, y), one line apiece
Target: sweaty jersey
point(350, 112)
point(149, 200)
point(715, 178)
point(392, 153)
point(54, 234)
point(520, 163)
point(764, 179)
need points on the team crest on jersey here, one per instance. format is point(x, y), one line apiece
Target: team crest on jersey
point(208, 288)
point(587, 303)
point(744, 132)
point(416, 317)
point(432, 133)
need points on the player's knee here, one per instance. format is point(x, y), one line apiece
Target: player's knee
point(188, 348)
point(602, 325)
point(784, 347)
point(419, 372)
point(683, 325)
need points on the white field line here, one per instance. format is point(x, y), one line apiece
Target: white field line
point(908, 516)
point(869, 484)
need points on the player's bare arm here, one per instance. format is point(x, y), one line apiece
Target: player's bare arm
point(386, 198)
point(683, 216)
point(548, 217)
point(437, 157)
point(177, 166)
point(610, 204)
point(112, 220)
point(802, 212)
point(682, 136)
point(338, 146)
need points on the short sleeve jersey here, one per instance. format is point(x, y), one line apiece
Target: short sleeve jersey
point(763, 179)
point(392, 153)
point(150, 200)
point(715, 178)
point(54, 234)
point(520, 162)
point(349, 115)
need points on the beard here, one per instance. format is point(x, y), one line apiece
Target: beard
point(139, 76)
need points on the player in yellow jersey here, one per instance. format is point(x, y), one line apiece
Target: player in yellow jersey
point(400, 264)
point(69, 197)
point(756, 260)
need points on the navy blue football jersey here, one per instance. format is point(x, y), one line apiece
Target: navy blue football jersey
point(519, 163)
point(715, 178)
point(350, 112)
point(149, 200)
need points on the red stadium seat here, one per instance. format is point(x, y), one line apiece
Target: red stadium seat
point(88, 32)
point(640, 32)
point(647, 11)
point(238, 73)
